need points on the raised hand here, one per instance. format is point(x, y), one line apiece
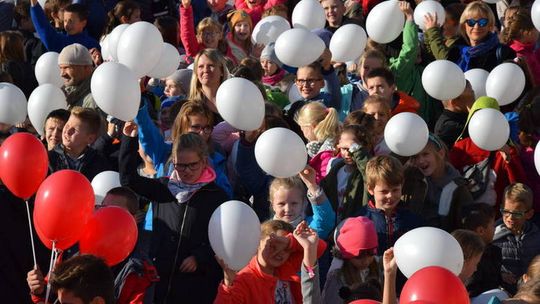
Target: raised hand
point(430, 21)
point(186, 3)
point(405, 7)
point(228, 274)
point(306, 237)
point(389, 261)
point(131, 129)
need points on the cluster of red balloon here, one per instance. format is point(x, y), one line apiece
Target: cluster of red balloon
point(64, 203)
point(434, 284)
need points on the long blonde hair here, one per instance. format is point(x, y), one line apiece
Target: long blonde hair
point(195, 88)
point(325, 120)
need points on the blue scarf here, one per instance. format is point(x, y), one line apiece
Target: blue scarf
point(469, 52)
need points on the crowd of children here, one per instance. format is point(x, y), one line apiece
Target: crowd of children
point(327, 234)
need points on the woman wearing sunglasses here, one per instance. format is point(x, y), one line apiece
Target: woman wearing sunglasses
point(183, 205)
point(483, 49)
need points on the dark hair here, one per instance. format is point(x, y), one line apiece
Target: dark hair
point(80, 9)
point(476, 216)
point(11, 46)
point(168, 27)
point(383, 73)
point(21, 11)
point(471, 243)
point(5, 77)
point(360, 118)
point(529, 118)
point(60, 114)
point(123, 8)
point(129, 195)
point(316, 66)
point(453, 11)
point(255, 67)
point(87, 277)
point(363, 135)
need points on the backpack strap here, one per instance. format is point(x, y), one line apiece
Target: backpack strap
point(445, 201)
point(498, 53)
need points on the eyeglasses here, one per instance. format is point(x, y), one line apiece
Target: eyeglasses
point(482, 22)
point(199, 128)
point(514, 214)
point(183, 167)
point(309, 82)
point(209, 34)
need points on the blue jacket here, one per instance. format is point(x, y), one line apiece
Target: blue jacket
point(322, 220)
point(159, 151)
point(97, 15)
point(53, 41)
point(388, 232)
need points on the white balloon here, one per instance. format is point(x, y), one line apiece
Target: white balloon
point(535, 14)
point(234, 232)
point(103, 182)
point(240, 103)
point(114, 38)
point(42, 3)
point(298, 47)
point(47, 69)
point(491, 1)
point(43, 100)
point(269, 28)
point(443, 79)
point(477, 78)
point(139, 47)
point(280, 152)
point(429, 7)
point(116, 90)
point(308, 14)
point(168, 62)
point(385, 22)
point(488, 129)
point(537, 157)
point(428, 246)
point(293, 93)
point(12, 104)
point(343, 47)
point(505, 83)
point(406, 134)
point(105, 51)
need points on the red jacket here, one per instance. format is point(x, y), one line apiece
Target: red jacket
point(253, 286)
point(466, 153)
point(188, 36)
point(406, 104)
point(257, 11)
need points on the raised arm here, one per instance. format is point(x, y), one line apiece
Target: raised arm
point(52, 40)
point(187, 29)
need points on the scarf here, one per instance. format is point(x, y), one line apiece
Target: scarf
point(470, 52)
point(76, 94)
point(274, 79)
point(184, 191)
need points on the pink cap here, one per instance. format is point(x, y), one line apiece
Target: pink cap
point(356, 234)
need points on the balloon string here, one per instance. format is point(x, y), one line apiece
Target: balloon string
point(51, 269)
point(31, 235)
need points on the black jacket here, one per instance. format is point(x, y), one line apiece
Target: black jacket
point(449, 126)
point(179, 231)
point(90, 164)
point(488, 272)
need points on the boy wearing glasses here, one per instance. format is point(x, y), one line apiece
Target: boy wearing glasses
point(518, 238)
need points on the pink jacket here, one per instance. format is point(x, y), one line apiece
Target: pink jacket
point(257, 11)
point(531, 56)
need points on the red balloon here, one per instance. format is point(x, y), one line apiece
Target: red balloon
point(64, 203)
point(62, 245)
point(434, 284)
point(24, 162)
point(111, 233)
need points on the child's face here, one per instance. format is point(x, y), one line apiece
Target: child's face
point(430, 161)
point(75, 135)
point(487, 233)
point(386, 196)
point(515, 214)
point(165, 118)
point(53, 132)
point(450, 27)
point(242, 31)
point(210, 37)
point(380, 113)
point(288, 204)
point(172, 88)
point(469, 267)
point(367, 65)
point(345, 142)
point(379, 86)
point(269, 67)
point(309, 82)
point(273, 258)
point(199, 124)
point(362, 261)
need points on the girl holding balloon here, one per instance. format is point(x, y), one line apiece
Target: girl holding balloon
point(183, 206)
point(447, 192)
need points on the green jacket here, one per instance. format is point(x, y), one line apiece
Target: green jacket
point(355, 196)
point(409, 74)
point(437, 45)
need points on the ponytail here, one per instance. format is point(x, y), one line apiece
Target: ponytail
point(329, 126)
point(519, 22)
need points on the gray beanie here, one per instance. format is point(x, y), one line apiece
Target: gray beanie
point(183, 78)
point(75, 54)
point(269, 53)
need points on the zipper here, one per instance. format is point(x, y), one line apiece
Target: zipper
point(173, 270)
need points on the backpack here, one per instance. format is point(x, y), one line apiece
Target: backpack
point(478, 176)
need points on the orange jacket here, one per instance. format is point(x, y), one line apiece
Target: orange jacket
point(253, 286)
point(406, 104)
